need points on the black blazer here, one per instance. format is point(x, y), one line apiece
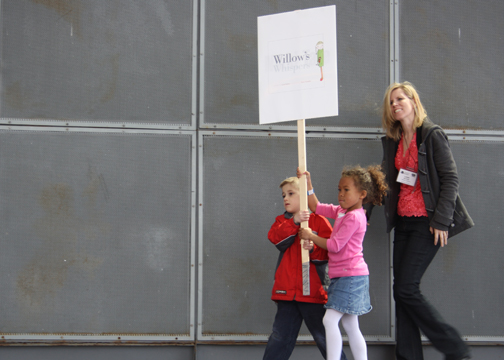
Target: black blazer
point(437, 173)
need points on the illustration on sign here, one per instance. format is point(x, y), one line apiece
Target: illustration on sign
point(320, 58)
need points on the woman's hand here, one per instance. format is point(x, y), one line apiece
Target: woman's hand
point(439, 235)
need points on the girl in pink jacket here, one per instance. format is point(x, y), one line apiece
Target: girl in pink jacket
point(348, 294)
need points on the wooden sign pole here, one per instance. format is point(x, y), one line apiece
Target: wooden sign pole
point(303, 201)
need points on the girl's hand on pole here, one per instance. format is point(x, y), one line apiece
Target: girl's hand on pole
point(298, 173)
point(308, 178)
point(439, 235)
point(305, 233)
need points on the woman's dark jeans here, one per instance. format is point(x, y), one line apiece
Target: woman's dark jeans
point(413, 252)
point(288, 320)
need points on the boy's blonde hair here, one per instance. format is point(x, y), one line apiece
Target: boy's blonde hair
point(292, 180)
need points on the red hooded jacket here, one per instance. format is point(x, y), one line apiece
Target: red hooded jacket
point(288, 284)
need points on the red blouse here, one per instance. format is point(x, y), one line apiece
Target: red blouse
point(411, 202)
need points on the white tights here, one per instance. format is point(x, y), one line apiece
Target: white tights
point(333, 335)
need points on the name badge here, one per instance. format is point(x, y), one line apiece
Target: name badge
point(407, 177)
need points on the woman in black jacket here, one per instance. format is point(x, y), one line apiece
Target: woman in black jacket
point(425, 209)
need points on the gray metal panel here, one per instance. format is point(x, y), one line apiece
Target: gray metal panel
point(229, 64)
point(241, 199)
point(96, 353)
point(210, 352)
point(442, 72)
point(465, 280)
point(453, 51)
point(94, 238)
point(113, 61)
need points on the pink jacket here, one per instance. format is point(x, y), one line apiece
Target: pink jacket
point(345, 244)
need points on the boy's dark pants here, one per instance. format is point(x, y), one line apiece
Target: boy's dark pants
point(288, 320)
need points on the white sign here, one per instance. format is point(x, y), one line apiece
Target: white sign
point(297, 65)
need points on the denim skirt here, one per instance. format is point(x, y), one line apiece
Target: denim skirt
point(349, 295)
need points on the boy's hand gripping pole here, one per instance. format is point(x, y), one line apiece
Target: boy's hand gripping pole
point(303, 202)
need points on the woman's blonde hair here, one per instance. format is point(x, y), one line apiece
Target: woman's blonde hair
point(390, 125)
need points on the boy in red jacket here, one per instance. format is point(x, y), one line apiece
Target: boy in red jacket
point(292, 306)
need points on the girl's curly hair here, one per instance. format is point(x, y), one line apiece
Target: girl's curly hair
point(371, 179)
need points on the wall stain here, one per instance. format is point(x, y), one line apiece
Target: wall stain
point(69, 10)
point(242, 43)
point(274, 3)
point(62, 251)
point(239, 99)
point(57, 200)
point(96, 184)
point(16, 97)
point(111, 87)
point(243, 302)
